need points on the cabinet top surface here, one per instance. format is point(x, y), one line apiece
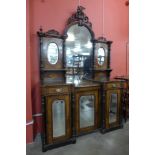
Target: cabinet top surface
point(82, 84)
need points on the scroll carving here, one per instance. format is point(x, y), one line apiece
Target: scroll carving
point(80, 16)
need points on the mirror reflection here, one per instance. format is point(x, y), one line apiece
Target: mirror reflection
point(59, 124)
point(101, 56)
point(86, 111)
point(76, 79)
point(113, 108)
point(78, 45)
point(52, 53)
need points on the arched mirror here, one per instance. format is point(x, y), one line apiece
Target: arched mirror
point(101, 56)
point(79, 51)
point(52, 53)
point(78, 45)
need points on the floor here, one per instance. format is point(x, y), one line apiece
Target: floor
point(112, 143)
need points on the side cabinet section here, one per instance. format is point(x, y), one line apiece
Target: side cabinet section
point(113, 106)
point(58, 123)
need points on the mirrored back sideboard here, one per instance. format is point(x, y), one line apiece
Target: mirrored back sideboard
point(77, 94)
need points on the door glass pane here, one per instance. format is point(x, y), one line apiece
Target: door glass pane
point(113, 108)
point(86, 111)
point(59, 124)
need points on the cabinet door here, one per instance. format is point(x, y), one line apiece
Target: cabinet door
point(58, 118)
point(86, 111)
point(113, 108)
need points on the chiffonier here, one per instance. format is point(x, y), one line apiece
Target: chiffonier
point(77, 94)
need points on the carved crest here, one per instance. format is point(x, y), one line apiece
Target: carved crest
point(80, 16)
point(50, 33)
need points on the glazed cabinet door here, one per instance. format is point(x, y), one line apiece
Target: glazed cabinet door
point(86, 111)
point(113, 108)
point(58, 119)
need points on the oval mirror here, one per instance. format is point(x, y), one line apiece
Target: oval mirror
point(52, 53)
point(101, 56)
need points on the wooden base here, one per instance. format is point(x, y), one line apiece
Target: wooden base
point(103, 131)
point(46, 147)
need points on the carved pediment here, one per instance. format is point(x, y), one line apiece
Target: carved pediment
point(50, 33)
point(80, 16)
